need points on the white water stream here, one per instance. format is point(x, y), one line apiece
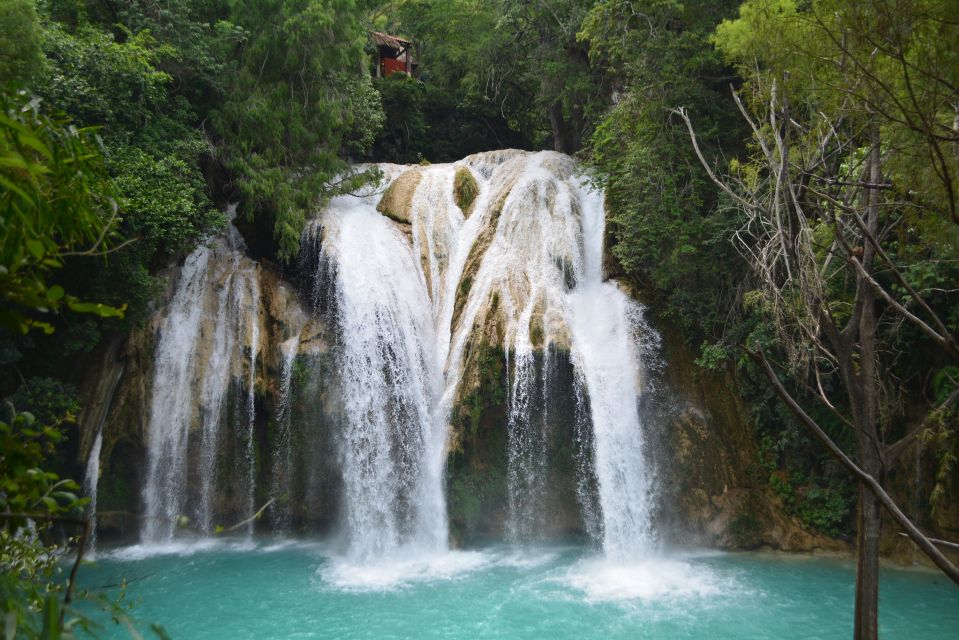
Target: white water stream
point(207, 339)
point(408, 304)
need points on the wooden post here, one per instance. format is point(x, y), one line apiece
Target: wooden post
point(409, 59)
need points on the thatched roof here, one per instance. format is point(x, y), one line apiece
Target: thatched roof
point(386, 40)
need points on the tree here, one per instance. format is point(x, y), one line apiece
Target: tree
point(522, 58)
point(57, 202)
point(300, 90)
point(665, 227)
point(851, 110)
point(19, 39)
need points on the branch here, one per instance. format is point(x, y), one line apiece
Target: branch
point(865, 479)
point(896, 448)
point(940, 325)
point(941, 543)
point(81, 547)
point(681, 112)
point(253, 517)
point(81, 544)
point(945, 341)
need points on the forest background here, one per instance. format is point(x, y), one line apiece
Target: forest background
point(810, 238)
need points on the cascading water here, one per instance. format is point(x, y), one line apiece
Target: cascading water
point(91, 479)
point(611, 343)
point(91, 476)
point(283, 450)
point(543, 269)
point(408, 305)
point(207, 339)
point(390, 383)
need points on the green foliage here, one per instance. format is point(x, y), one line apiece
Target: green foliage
point(48, 400)
point(165, 202)
point(294, 102)
point(19, 40)
point(512, 61)
point(31, 493)
point(27, 487)
point(100, 81)
point(57, 201)
point(810, 487)
point(427, 121)
point(465, 189)
point(892, 64)
point(670, 229)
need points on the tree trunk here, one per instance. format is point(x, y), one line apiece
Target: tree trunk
point(563, 137)
point(867, 569)
point(863, 390)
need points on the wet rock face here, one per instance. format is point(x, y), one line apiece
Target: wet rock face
point(711, 493)
point(398, 197)
point(478, 469)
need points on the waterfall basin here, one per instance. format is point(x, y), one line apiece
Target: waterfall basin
point(214, 590)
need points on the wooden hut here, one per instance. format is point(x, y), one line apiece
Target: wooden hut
point(393, 55)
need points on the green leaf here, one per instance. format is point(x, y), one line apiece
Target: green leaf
point(102, 310)
point(55, 293)
point(51, 619)
point(36, 248)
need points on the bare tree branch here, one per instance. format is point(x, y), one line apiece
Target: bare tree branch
point(924, 543)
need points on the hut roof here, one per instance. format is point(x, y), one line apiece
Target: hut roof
point(385, 40)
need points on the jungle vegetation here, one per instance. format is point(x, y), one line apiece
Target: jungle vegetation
point(781, 180)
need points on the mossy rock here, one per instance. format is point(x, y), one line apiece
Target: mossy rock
point(398, 198)
point(465, 190)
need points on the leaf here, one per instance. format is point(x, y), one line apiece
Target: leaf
point(102, 310)
point(36, 248)
point(51, 619)
point(55, 293)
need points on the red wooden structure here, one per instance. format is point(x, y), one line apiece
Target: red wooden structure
point(393, 55)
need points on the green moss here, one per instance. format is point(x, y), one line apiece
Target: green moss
point(114, 493)
point(566, 267)
point(465, 190)
point(536, 331)
point(745, 528)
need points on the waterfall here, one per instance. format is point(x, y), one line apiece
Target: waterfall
point(91, 479)
point(91, 476)
point(410, 301)
point(611, 343)
point(283, 451)
point(207, 338)
point(403, 307)
point(386, 363)
point(540, 283)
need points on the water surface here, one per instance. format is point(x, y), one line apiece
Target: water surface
point(222, 590)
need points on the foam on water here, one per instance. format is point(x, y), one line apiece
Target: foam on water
point(601, 579)
point(179, 547)
point(404, 569)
